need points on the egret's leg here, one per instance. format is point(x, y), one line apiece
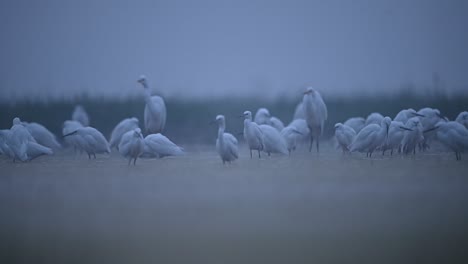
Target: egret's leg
point(94, 154)
point(89, 155)
point(317, 143)
point(391, 152)
point(414, 151)
point(258, 153)
point(311, 142)
point(250, 153)
point(289, 152)
point(370, 154)
point(134, 161)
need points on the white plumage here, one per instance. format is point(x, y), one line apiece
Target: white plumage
point(453, 135)
point(120, 129)
point(356, 123)
point(90, 140)
point(316, 114)
point(226, 143)
point(155, 110)
point(371, 137)
point(132, 145)
point(406, 114)
point(374, 118)
point(344, 136)
point(414, 137)
point(42, 135)
point(159, 146)
point(80, 115)
point(273, 142)
point(462, 118)
point(252, 134)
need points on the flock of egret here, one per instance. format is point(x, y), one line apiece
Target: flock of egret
point(408, 131)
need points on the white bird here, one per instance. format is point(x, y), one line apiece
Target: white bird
point(159, 146)
point(252, 134)
point(462, 118)
point(344, 136)
point(396, 133)
point(316, 114)
point(33, 149)
point(431, 117)
point(406, 114)
point(291, 136)
point(453, 135)
point(155, 110)
point(356, 123)
point(276, 123)
point(262, 116)
point(68, 127)
point(42, 135)
point(299, 112)
point(413, 137)
point(22, 145)
point(132, 145)
point(91, 141)
point(374, 118)
point(128, 124)
point(226, 143)
point(80, 115)
point(273, 142)
point(4, 147)
point(371, 137)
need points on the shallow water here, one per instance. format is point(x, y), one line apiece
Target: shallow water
point(322, 208)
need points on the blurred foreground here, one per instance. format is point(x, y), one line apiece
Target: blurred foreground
point(309, 208)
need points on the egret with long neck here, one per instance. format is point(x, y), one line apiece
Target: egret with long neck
point(155, 110)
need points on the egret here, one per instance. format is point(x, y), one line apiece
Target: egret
point(132, 144)
point(316, 114)
point(159, 146)
point(431, 117)
point(413, 137)
point(356, 123)
point(273, 142)
point(18, 141)
point(226, 143)
point(42, 135)
point(291, 135)
point(91, 141)
point(374, 118)
point(396, 133)
point(128, 124)
point(155, 110)
point(462, 118)
point(80, 115)
point(371, 137)
point(276, 123)
point(262, 116)
point(299, 112)
point(5, 149)
point(33, 149)
point(453, 135)
point(406, 114)
point(68, 127)
point(304, 133)
point(344, 136)
point(253, 135)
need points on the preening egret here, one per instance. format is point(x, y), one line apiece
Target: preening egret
point(453, 135)
point(80, 115)
point(42, 135)
point(33, 149)
point(406, 114)
point(226, 143)
point(291, 136)
point(371, 137)
point(70, 126)
point(356, 123)
point(159, 146)
point(132, 144)
point(252, 134)
point(374, 118)
point(91, 141)
point(273, 142)
point(316, 114)
point(123, 127)
point(344, 136)
point(413, 137)
point(18, 141)
point(462, 118)
point(155, 110)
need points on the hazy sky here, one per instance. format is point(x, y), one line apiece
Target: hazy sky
point(199, 48)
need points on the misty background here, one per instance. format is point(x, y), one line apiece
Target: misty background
point(194, 49)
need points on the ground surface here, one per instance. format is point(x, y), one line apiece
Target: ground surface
point(308, 208)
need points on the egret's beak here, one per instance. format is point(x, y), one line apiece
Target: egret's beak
point(70, 134)
point(212, 122)
point(431, 129)
point(297, 132)
point(241, 116)
point(405, 128)
point(442, 117)
point(417, 114)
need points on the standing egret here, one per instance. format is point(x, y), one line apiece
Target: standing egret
point(252, 134)
point(291, 135)
point(356, 123)
point(406, 114)
point(155, 110)
point(374, 118)
point(159, 146)
point(226, 143)
point(371, 137)
point(68, 127)
point(396, 133)
point(91, 141)
point(413, 137)
point(273, 142)
point(316, 114)
point(302, 127)
point(80, 115)
point(431, 117)
point(123, 127)
point(462, 118)
point(453, 135)
point(42, 135)
point(344, 136)
point(132, 144)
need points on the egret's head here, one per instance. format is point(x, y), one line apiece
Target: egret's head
point(413, 112)
point(16, 121)
point(134, 119)
point(337, 125)
point(142, 80)
point(263, 112)
point(137, 133)
point(387, 121)
point(220, 118)
point(248, 115)
point(464, 115)
point(309, 90)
